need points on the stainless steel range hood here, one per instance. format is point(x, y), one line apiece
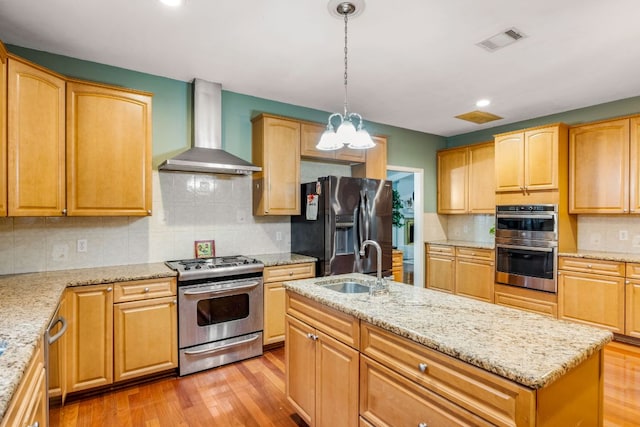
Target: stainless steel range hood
point(207, 154)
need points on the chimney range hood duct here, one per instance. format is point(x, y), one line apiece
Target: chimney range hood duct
point(207, 154)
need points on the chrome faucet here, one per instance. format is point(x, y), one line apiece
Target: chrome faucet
point(379, 249)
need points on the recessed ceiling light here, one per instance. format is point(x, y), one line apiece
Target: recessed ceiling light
point(172, 3)
point(483, 103)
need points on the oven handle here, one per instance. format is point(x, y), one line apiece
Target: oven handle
point(526, 248)
point(222, 291)
point(222, 347)
point(527, 216)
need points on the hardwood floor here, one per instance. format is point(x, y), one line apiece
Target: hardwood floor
point(251, 393)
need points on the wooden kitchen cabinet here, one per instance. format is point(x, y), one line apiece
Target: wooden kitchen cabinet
point(529, 160)
point(276, 149)
point(632, 300)
point(375, 165)
point(322, 363)
point(35, 140)
point(274, 297)
point(29, 406)
point(604, 166)
point(108, 150)
point(441, 268)
point(474, 275)
point(120, 331)
point(3, 129)
point(466, 179)
point(592, 292)
point(526, 299)
point(397, 268)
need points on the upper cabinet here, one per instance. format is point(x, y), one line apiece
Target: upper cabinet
point(531, 160)
point(36, 140)
point(108, 151)
point(276, 148)
point(3, 130)
point(375, 164)
point(604, 167)
point(466, 179)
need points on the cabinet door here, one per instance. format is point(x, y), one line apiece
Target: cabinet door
point(274, 311)
point(36, 141)
point(440, 273)
point(482, 178)
point(592, 299)
point(541, 159)
point(474, 278)
point(632, 309)
point(509, 152)
point(108, 151)
point(634, 166)
point(375, 165)
point(336, 383)
point(300, 366)
point(3, 130)
point(599, 168)
point(89, 337)
point(452, 181)
point(309, 137)
point(145, 337)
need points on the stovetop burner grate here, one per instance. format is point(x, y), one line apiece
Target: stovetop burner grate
point(202, 268)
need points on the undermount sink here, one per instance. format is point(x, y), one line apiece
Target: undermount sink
point(347, 287)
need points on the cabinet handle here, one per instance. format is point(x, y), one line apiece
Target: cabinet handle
point(423, 425)
point(312, 336)
point(146, 290)
point(109, 289)
point(423, 367)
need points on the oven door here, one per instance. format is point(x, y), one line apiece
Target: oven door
point(527, 225)
point(213, 311)
point(526, 266)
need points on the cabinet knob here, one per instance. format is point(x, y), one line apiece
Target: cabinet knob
point(423, 425)
point(589, 266)
point(109, 289)
point(624, 210)
point(64, 212)
point(35, 424)
point(146, 290)
point(149, 212)
point(312, 336)
point(423, 367)
point(175, 301)
point(291, 273)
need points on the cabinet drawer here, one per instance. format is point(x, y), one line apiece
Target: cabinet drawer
point(633, 271)
point(144, 289)
point(475, 253)
point(596, 266)
point(339, 325)
point(443, 250)
point(289, 272)
point(389, 399)
point(501, 401)
point(526, 299)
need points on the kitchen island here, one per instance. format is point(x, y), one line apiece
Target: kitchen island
point(422, 356)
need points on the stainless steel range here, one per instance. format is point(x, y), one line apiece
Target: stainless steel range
point(220, 311)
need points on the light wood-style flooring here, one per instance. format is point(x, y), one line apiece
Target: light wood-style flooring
point(251, 393)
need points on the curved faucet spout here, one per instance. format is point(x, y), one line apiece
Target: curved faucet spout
point(379, 259)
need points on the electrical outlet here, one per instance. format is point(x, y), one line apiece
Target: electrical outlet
point(465, 229)
point(623, 235)
point(636, 241)
point(81, 245)
point(278, 235)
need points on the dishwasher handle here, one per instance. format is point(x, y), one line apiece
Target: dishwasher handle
point(60, 333)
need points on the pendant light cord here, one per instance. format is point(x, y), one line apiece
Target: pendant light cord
point(346, 19)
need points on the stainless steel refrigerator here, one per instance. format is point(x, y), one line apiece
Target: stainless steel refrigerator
point(337, 215)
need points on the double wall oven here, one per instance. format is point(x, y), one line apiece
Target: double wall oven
point(220, 311)
point(526, 246)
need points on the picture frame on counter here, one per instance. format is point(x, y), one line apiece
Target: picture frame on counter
point(205, 248)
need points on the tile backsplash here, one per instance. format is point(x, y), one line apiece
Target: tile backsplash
point(186, 207)
point(473, 228)
point(609, 233)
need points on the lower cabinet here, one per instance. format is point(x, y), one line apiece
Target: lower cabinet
point(475, 273)
point(28, 406)
point(632, 301)
point(120, 331)
point(397, 268)
point(441, 268)
point(322, 371)
point(526, 299)
point(274, 296)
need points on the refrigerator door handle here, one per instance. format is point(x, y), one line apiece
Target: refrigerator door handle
point(361, 220)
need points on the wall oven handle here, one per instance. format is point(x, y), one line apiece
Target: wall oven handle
point(222, 347)
point(223, 291)
point(61, 332)
point(526, 248)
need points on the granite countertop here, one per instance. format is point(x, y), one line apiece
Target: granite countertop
point(528, 348)
point(28, 302)
point(607, 256)
point(284, 258)
point(465, 243)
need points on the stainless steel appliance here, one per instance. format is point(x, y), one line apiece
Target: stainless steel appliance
point(220, 311)
point(349, 211)
point(526, 246)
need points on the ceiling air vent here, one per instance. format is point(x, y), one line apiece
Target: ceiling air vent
point(502, 39)
point(478, 117)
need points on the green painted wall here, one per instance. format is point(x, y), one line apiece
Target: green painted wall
point(608, 110)
point(172, 131)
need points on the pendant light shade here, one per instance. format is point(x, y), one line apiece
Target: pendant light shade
point(348, 132)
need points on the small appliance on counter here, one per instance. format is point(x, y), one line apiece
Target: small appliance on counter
point(220, 311)
point(337, 215)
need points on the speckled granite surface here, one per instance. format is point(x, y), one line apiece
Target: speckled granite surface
point(28, 301)
point(465, 243)
point(607, 256)
point(285, 258)
point(530, 349)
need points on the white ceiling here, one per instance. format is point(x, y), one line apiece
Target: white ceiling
point(412, 63)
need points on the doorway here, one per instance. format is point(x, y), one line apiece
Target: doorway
point(407, 235)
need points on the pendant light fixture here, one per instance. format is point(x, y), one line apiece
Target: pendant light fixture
point(350, 131)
